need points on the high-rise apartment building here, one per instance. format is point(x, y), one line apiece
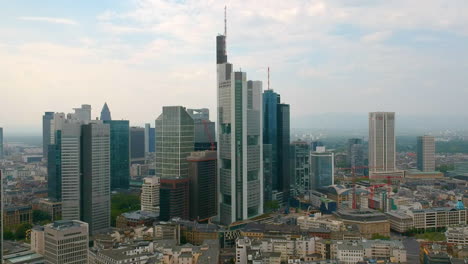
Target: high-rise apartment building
point(66, 242)
point(381, 143)
point(204, 129)
point(322, 168)
point(1, 143)
point(150, 194)
point(47, 120)
point(105, 113)
point(300, 167)
point(276, 132)
point(119, 153)
point(426, 153)
point(203, 193)
point(96, 176)
point(137, 145)
point(240, 148)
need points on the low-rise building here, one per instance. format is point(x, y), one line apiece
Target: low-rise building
point(16, 215)
point(136, 218)
point(400, 221)
point(318, 221)
point(369, 222)
point(52, 207)
point(457, 235)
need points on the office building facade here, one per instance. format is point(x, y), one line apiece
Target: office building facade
point(175, 197)
point(137, 145)
point(150, 195)
point(322, 168)
point(276, 132)
point(300, 167)
point(240, 148)
point(355, 153)
point(119, 153)
point(203, 178)
point(174, 142)
point(47, 120)
point(66, 242)
point(426, 153)
point(96, 176)
point(204, 129)
point(381, 143)
point(150, 138)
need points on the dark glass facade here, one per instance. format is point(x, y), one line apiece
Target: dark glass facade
point(46, 119)
point(174, 199)
point(276, 132)
point(137, 145)
point(120, 153)
point(54, 181)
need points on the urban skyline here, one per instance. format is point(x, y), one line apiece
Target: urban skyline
point(242, 185)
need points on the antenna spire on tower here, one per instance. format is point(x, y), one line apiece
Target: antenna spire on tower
point(268, 78)
point(225, 21)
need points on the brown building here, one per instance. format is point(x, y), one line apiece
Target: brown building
point(52, 207)
point(195, 233)
point(368, 221)
point(136, 218)
point(16, 215)
point(174, 197)
point(202, 175)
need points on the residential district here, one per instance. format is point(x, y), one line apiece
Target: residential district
point(244, 189)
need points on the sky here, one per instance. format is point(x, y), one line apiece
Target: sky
point(348, 56)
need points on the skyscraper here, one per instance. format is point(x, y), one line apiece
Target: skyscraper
point(174, 143)
point(96, 176)
point(267, 172)
point(355, 153)
point(105, 113)
point(150, 137)
point(322, 168)
point(202, 175)
point(426, 153)
point(137, 145)
point(82, 113)
point(276, 132)
point(240, 148)
point(47, 120)
point(119, 153)
point(1, 143)
point(1, 215)
point(63, 166)
point(381, 143)
point(150, 194)
point(204, 129)
point(300, 167)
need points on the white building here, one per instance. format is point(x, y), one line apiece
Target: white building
point(66, 242)
point(239, 135)
point(318, 221)
point(150, 194)
point(350, 253)
point(457, 235)
point(37, 240)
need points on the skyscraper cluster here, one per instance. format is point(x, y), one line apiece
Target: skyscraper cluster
point(85, 157)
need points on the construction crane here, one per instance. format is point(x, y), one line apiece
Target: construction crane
point(210, 138)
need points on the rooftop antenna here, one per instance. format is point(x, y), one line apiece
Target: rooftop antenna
point(268, 78)
point(225, 21)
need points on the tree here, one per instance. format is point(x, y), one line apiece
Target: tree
point(379, 236)
point(40, 216)
point(122, 203)
point(8, 235)
point(20, 231)
point(271, 206)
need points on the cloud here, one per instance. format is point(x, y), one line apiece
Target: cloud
point(377, 36)
point(54, 20)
